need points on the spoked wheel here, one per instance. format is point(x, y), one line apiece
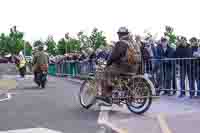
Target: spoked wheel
point(139, 96)
point(87, 94)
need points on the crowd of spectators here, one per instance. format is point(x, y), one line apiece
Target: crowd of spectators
point(164, 59)
point(171, 61)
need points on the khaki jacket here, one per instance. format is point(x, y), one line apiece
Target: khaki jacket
point(40, 58)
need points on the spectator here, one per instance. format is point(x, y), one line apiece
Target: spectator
point(195, 65)
point(164, 51)
point(149, 54)
point(91, 60)
point(83, 56)
point(101, 54)
point(184, 51)
point(151, 62)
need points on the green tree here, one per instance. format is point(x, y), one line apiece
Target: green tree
point(12, 43)
point(3, 44)
point(51, 45)
point(61, 47)
point(84, 40)
point(68, 45)
point(97, 39)
point(73, 45)
point(15, 42)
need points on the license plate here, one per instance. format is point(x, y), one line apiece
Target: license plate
point(44, 72)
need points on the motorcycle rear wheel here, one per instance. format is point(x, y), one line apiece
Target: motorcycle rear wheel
point(141, 88)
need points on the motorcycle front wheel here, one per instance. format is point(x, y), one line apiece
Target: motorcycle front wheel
point(87, 94)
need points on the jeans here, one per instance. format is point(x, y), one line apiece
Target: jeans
point(198, 87)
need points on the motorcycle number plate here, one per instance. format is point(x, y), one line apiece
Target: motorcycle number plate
point(44, 72)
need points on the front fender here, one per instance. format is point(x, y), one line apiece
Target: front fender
point(148, 81)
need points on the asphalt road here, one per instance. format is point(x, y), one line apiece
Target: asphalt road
point(56, 107)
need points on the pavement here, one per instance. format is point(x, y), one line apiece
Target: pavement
point(56, 109)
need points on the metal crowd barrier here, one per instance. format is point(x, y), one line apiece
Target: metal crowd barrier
point(72, 68)
point(169, 74)
point(175, 74)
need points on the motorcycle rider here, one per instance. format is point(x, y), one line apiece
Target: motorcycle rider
point(20, 62)
point(117, 63)
point(39, 58)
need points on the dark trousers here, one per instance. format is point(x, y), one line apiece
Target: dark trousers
point(22, 71)
point(174, 84)
point(166, 77)
point(185, 69)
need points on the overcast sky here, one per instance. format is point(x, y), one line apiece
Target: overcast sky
point(39, 18)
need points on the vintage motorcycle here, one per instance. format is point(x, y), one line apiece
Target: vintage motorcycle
point(41, 75)
point(133, 90)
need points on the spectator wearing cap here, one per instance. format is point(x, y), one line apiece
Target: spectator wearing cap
point(149, 53)
point(184, 51)
point(164, 51)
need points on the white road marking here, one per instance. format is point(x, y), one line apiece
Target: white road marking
point(9, 96)
point(115, 128)
point(103, 115)
point(31, 130)
point(103, 121)
point(163, 124)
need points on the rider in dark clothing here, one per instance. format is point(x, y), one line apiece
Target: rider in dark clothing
point(40, 58)
point(116, 65)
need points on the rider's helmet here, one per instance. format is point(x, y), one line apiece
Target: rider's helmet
point(41, 47)
point(123, 31)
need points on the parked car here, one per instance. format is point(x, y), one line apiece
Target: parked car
point(6, 60)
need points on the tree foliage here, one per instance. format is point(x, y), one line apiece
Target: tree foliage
point(97, 39)
point(68, 45)
point(12, 43)
point(51, 45)
point(61, 47)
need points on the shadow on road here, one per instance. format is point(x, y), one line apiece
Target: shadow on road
point(36, 88)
